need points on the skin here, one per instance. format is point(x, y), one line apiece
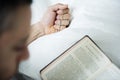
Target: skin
point(50, 22)
point(13, 43)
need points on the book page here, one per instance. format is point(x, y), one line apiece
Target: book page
point(69, 69)
point(89, 56)
point(80, 62)
point(110, 73)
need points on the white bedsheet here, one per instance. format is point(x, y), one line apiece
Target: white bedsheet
point(100, 19)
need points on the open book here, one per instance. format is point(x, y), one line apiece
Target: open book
point(83, 61)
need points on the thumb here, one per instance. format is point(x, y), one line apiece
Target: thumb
point(59, 6)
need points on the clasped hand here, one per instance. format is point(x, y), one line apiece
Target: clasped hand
point(56, 18)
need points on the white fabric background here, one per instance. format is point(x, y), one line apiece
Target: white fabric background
point(100, 19)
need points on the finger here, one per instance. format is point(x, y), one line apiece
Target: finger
point(62, 22)
point(62, 27)
point(63, 11)
point(65, 16)
point(57, 27)
point(50, 30)
point(53, 30)
point(58, 6)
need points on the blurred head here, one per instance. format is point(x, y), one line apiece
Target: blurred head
point(15, 18)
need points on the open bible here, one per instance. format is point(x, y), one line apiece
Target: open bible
point(82, 61)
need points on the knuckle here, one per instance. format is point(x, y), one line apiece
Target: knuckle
point(56, 27)
point(57, 17)
point(56, 22)
point(60, 11)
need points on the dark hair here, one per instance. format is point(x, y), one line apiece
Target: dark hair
point(6, 7)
